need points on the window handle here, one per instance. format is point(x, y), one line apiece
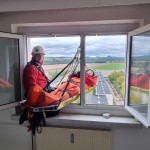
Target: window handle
point(72, 138)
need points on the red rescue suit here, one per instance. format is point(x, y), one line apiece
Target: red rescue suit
point(36, 97)
point(33, 77)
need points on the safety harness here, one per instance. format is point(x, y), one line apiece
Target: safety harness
point(39, 67)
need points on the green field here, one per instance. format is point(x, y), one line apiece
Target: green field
point(96, 66)
point(110, 66)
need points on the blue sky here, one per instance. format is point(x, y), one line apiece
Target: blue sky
point(102, 46)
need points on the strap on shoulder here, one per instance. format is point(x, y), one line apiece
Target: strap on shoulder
point(40, 69)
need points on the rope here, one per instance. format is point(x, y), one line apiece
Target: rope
point(67, 71)
point(74, 58)
point(75, 66)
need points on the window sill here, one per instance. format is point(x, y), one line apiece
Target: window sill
point(88, 121)
point(91, 121)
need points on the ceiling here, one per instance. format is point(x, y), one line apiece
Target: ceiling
point(28, 5)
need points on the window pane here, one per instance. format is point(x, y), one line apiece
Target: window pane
point(59, 52)
point(106, 56)
point(10, 90)
point(140, 73)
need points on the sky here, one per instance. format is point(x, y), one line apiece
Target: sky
point(102, 46)
point(141, 46)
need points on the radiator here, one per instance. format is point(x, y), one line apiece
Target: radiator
point(73, 139)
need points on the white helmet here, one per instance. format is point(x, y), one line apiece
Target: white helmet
point(38, 50)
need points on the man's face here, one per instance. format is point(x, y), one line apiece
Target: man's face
point(38, 57)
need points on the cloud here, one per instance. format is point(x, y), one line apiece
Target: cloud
point(58, 46)
point(95, 45)
point(141, 46)
point(106, 45)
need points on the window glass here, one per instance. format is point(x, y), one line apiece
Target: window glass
point(10, 90)
point(105, 54)
point(59, 51)
point(140, 74)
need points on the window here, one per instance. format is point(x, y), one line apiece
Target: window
point(10, 79)
point(139, 74)
point(104, 54)
point(59, 50)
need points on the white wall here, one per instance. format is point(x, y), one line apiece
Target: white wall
point(17, 5)
point(12, 135)
point(75, 15)
point(131, 138)
point(16, 137)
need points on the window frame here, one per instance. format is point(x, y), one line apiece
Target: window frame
point(21, 39)
point(82, 108)
point(132, 111)
point(113, 110)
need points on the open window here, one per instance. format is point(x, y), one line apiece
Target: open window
point(109, 36)
point(105, 54)
point(11, 51)
point(138, 74)
point(13, 59)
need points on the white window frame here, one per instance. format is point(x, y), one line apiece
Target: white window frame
point(81, 28)
point(82, 108)
point(22, 62)
point(113, 110)
point(136, 114)
point(92, 109)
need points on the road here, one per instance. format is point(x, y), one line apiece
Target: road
point(102, 90)
point(103, 95)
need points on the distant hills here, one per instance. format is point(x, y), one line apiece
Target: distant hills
point(141, 61)
point(65, 60)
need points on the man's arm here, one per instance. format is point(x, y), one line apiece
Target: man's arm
point(30, 75)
